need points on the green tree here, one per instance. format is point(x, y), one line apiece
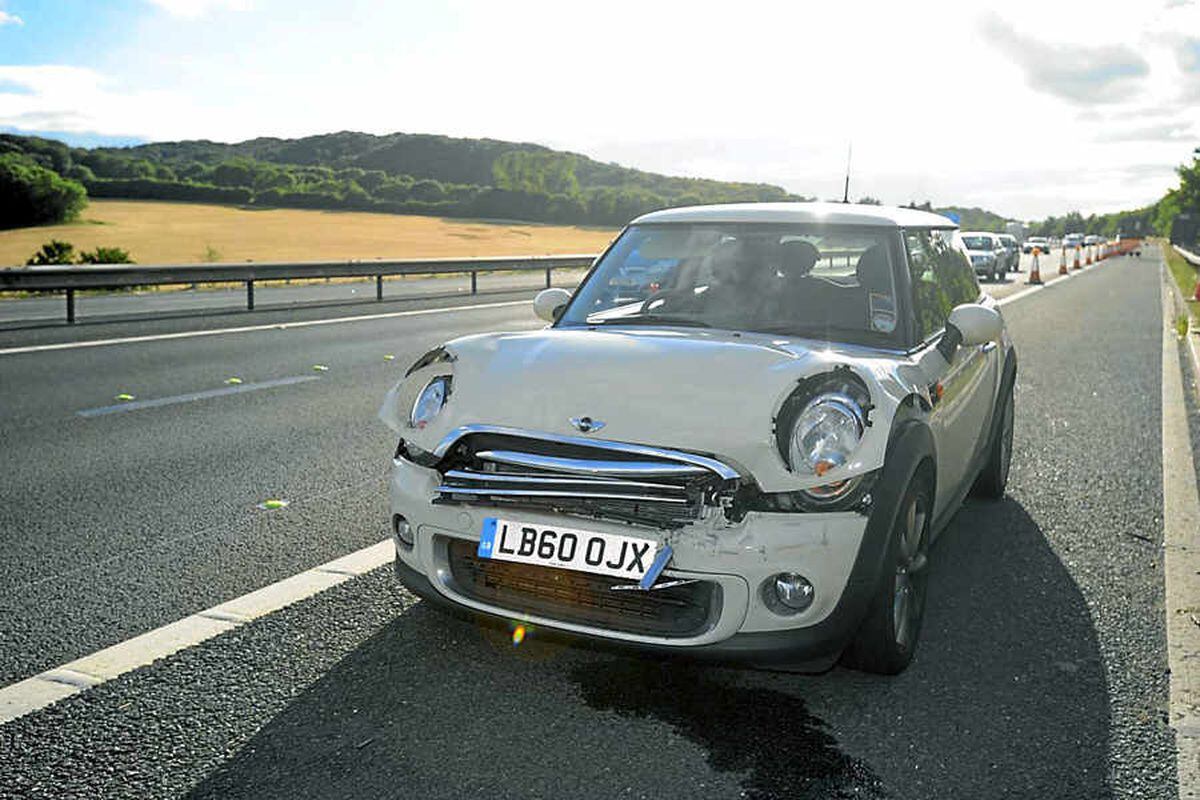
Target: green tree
point(106, 255)
point(53, 252)
point(31, 194)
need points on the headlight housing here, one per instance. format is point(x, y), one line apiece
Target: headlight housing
point(825, 434)
point(819, 429)
point(430, 401)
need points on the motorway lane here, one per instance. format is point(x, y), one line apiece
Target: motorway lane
point(1041, 673)
point(117, 524)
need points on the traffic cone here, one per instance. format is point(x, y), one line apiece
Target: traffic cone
point(1035, 272)
point(1089, 256)
point(1062, 262)
point(1196, 294)
point(1076, 264)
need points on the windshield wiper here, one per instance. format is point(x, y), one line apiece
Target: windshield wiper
point(650, 319)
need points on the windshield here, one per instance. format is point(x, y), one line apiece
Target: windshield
point(978, 242)
point(833, 284)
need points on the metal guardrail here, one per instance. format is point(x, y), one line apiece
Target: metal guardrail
point(69, 279)
point(1188, 256)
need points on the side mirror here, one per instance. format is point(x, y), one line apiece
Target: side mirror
point(550, 302)
point(970, 324)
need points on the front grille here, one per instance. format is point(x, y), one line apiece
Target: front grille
point(583, 599)
point(647, 487)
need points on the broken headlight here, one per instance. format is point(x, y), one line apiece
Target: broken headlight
point(430, 401)
point(820, 427)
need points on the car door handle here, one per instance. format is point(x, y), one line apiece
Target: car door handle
point(987, 347)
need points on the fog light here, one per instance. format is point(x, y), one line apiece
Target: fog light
point(402, 530)
point(788, 593)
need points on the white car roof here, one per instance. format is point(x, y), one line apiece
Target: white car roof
point(979, 233)
point(818, 213)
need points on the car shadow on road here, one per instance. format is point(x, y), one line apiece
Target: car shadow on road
point(1007, 698)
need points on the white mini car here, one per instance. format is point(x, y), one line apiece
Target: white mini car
point(737, 439)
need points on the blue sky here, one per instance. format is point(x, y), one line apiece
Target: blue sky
point(1028, 108)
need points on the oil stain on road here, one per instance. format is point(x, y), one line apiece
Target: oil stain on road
point(767, 737)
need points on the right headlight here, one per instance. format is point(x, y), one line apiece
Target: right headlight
point(825, 434)
point(430, 401)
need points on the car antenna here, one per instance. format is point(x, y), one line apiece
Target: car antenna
point(846, 190)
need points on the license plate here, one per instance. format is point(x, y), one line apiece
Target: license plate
point(566, 548)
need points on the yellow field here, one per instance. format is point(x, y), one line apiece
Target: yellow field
point(175, 233)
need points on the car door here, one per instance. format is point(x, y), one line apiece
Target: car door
point(962, 392)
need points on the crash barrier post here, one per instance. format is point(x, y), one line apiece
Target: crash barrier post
point(1077, 265)
point(1035, 271)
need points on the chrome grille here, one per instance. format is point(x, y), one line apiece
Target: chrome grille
point(647, 486)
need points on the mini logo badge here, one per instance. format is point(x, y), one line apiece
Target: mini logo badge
point(586, 424)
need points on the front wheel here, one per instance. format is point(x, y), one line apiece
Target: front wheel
point(887, 639)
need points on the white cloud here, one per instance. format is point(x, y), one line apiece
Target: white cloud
point(197, 8)
point(10, 19)
point(77, 99)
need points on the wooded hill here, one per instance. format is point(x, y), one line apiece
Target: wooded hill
point(399, 173)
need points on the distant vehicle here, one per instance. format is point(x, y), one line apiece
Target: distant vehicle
point(1040, 242)
point(1012, 250)
point(1072, 240)
point(1093, 239)
point(988, 256)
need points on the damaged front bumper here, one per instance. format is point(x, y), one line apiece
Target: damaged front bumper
point(716, 600)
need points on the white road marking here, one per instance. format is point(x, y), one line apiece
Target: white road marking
point(280, 326)
point(32, 694)
point(1181, 521)
point(156, 402)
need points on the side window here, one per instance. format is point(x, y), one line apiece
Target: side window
point(941, 277)
point(931, 305)
point(954, 270)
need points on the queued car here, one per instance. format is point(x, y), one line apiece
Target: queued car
point(1092, 239)
point(1072, 240)
point(988, 257)
point(1040, 242)
point(747, 462)
point(1012, 250)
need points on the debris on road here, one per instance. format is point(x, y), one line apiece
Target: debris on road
point(233, 381)
point(124, 398)
point(273, 504)
point(320, 368)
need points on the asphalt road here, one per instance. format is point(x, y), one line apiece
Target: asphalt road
point(1042, 670)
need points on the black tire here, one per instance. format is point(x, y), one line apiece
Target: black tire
point(993, 478)
point(887, 639)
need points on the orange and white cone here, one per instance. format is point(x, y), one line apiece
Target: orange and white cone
point(1035, 272)
point(1062, 262)
point(1089, 256)
point(1076, 265)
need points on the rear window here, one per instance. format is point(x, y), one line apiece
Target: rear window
point(978, 242)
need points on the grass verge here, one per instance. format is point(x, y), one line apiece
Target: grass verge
point(1185, 276)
